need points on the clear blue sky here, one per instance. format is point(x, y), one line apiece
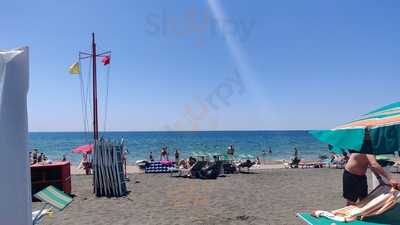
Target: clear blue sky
point(304, 64)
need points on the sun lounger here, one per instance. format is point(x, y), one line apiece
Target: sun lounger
point(310, 164)
point(229, 168)
point(247, 164)
point(211, 172)
point(389, 218)
point(377, 208)
point(193, 171)
point(53, 197)
point(395, 169)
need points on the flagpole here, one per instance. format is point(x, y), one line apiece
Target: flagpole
point(95, 115)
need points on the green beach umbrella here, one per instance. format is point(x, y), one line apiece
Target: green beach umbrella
point(383, 126)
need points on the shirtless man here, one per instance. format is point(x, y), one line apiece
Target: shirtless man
point(355, 185)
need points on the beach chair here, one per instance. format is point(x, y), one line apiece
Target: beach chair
point(229, 167)
point(53, 197)
point(379, 207)
point(395, 168)
point(211, 172)
point(247, 164)
point(304, 164)
point(294, 163)
point(391, 217)
point(193, 171)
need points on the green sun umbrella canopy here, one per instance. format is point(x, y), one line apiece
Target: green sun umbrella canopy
point(381, 125)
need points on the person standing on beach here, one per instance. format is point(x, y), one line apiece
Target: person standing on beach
point(231, 150)
point(151, 157)
point(34, 156)
point(270, 150)
point(176, 156)
point(264, 154)
point(296, 159)
point(355, 187)
point(164, 153)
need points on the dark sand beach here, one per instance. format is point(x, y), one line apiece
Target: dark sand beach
point(269, 197)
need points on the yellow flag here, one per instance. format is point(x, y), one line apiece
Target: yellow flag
point(75, 68)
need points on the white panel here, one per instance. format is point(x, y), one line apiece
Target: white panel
point(15, 186)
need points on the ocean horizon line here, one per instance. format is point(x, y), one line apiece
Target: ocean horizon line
point(178, 131)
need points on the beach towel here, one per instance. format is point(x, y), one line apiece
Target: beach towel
point(51, 196)
point(378, 202)
point(166, 162)
point(389, 218)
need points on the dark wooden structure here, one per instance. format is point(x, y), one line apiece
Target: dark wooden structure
point(57, 173)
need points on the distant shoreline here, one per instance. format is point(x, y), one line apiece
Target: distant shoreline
point(133, 169)
point(177, 131)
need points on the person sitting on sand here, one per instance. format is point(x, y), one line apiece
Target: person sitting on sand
point(83, 161)
point(355, 186)
point(334, 157)
point(40, 158)
point(183, 164)
point(258, 161)
point(345, 157)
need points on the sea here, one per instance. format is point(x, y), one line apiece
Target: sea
point(282, 143)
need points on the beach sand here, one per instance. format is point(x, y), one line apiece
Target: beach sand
point(271, 197)
point(270, 164)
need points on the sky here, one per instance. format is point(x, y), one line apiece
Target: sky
point(208, 64)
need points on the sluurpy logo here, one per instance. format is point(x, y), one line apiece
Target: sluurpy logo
point(197, 26)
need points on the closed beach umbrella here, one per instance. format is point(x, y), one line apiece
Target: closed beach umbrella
point(243, 156)
point(251, 156)
point(382, 125)
point(83, 149)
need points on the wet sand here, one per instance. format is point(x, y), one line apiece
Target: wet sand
point(271, 197)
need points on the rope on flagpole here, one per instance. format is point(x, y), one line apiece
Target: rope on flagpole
point(106, 96)
point(83, 99)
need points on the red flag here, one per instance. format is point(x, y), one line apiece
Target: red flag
point(106, 60)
